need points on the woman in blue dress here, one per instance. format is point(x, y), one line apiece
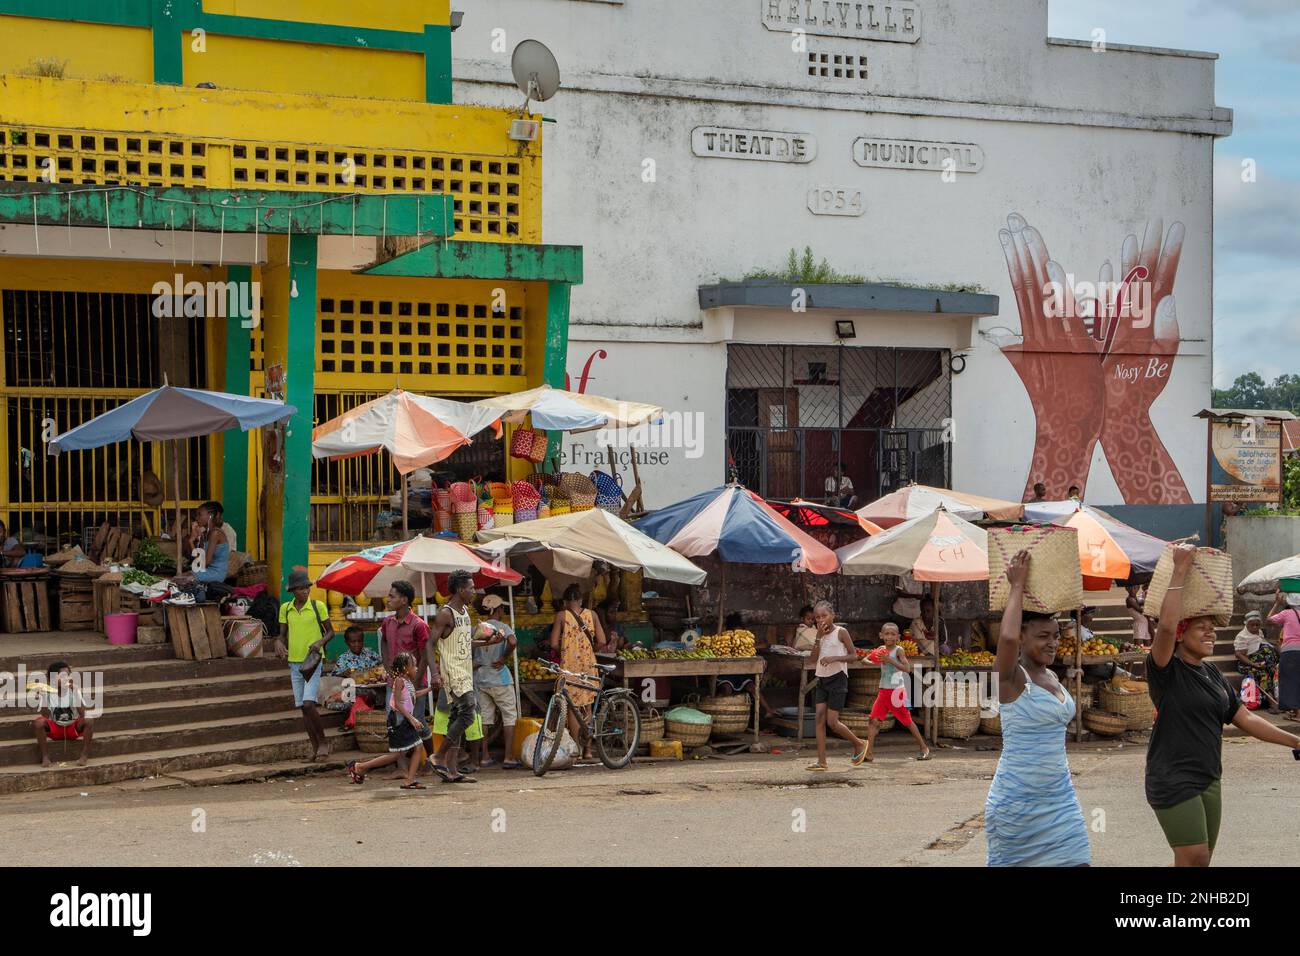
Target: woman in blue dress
point(1032, 816)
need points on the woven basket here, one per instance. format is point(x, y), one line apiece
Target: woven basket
point(691, 735)
point(860, 721)
point(958, 723)
point(500, 491)
point(521, 443)
point(442, 499)
point(991, 725)
point(1207, 590)
point(484, 517)
point(441, 520)
point(864, 683)
point(541, 442)
point(1104, 724)
point(730, 714)
point(580, 489)
point(543, 511)
point(652, 725)
point(1136, 708)
point(1085, 698)
point(463, 498)
point(503, 516)
point(525, 495)
point(860, 702)
point(372, 732)
point(556, 508)
point(609, 491)
point(1055, 581)
point(465, 524)
point(525, 514)
point(252, 573)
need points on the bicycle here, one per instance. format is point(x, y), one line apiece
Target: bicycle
point(613, 722)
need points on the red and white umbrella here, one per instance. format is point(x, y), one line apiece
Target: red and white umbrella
point(373, 571)
point(917, 500)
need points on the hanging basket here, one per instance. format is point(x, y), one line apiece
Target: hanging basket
point(521, 443)
point(541, 443)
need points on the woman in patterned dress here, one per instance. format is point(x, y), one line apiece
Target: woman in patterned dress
point(578, 634)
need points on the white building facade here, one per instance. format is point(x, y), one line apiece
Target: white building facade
point(985, 181)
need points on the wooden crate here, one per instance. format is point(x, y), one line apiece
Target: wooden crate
point(76, 603)
point(196, 631)
point(151, 635)
point(25, 604)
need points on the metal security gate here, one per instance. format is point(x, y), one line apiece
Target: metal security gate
point(67, 357)
point(796, 412)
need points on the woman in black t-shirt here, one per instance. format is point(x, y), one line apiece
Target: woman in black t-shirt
point(1193, 702)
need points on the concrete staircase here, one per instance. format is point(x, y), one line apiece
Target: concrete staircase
point(162, 715)
point(1114, 621)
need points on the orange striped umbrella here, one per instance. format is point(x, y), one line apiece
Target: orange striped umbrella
point(1101, 559)
point(938, 546)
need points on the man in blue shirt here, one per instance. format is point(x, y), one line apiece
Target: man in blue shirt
point(492, 679)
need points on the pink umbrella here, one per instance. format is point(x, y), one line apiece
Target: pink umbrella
point(374, 570)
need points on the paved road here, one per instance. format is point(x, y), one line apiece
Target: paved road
point(755, 810)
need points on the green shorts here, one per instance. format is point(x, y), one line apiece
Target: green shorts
point(441, 719)
point(1194, 821)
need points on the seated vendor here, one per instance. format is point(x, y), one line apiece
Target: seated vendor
point(357, 657)
point(929, 633)
point(805, 632)
point(206, 534)
point(615, 637)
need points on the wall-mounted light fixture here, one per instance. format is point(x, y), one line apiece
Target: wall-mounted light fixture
point(457, 17)
point(844, 329)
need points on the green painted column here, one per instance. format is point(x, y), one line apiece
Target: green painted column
point(556, 346)
point(437, 64)
point(167, 52)
point(300, 372)
point(239, 346)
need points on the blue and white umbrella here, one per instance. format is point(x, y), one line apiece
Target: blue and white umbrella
point(172, 414)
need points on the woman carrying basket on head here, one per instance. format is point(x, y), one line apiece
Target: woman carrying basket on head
point(1193, 703)
point(1032, 815)
point(1289, 658)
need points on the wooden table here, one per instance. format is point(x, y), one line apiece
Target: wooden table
point(710, 667)
point(805, 684)
point(537, 692)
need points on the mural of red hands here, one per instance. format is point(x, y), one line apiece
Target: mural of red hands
point(1089, 386)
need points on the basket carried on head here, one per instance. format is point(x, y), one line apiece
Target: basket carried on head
point(730, 714)
point(463, 498)
point(1207, 591)
point(609, 491)
point(1055, 579)
point(580, 489)
point(1104, 724)
point(1134, 703)
point(372, 731)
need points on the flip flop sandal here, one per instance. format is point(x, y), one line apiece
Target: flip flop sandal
point(925, 756)
point(816, 768)
point(511, 765)
point(461, 778)
point(859, 759)
point(441, 771)
point(414, 785)
point(357, 776)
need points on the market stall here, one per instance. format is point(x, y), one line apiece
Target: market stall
point(936, 547)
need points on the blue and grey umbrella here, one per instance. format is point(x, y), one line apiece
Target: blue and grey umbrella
point(172, 414)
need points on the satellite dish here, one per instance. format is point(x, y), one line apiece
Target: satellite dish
point(536, 72)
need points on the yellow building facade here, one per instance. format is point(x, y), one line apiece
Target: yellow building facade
point(264, 198)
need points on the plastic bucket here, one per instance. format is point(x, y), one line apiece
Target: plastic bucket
point(120, 628)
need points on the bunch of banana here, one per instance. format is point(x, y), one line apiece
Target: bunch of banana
point(636, 653)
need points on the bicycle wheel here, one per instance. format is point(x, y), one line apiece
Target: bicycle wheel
point(550, 735)
point(618, 730)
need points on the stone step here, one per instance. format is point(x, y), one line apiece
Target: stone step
point(106, 769)
point(194, 689)
point(131, 653)
point(171, 669)
point(180, 736)
point(165, 713)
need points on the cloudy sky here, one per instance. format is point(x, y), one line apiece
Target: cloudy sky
point(1257, 226)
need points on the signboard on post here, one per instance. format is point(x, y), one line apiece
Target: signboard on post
point(1245, 460)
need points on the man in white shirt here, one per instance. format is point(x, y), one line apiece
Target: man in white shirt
point(839, 489)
